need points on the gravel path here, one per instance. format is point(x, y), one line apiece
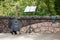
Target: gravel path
point(32, 36)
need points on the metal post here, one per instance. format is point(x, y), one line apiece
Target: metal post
point(54, 19)
point(29, 28)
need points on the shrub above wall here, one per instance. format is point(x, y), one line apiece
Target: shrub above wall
point(45, 7)
point(57, 6)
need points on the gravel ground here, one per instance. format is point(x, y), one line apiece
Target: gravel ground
point(32, 36)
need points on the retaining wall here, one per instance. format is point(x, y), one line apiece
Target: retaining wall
point(42, 24)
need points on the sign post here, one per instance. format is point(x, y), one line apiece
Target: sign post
point(30, 9)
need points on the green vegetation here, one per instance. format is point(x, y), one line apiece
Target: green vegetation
point(44, 7)
point(57, 6)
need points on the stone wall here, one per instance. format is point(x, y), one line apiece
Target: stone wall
point(42, 25)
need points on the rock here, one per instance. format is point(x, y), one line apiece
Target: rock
point(57, 29)
point(24, 29)
point(44, 28)
point(47, 31)
point(37, 30)
point(51, 29)
point(39, 25)
point(44, 24)
point(34, 26)
point(57, 24)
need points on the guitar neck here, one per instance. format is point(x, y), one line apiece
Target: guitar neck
point(16, 16)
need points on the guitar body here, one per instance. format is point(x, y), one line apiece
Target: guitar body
point(15, 25)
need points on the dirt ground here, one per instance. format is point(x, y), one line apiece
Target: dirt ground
point(32, 36)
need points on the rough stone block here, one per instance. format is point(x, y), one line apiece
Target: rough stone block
point(34, 26)
point(46, 24)
point(37, 30)
point(44, 28)
point(47, 31)
point(39, 24)
point(56, 24)
point(23, 30)
point(51, 29)
point(57, 29)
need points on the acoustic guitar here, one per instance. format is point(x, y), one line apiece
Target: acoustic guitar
point(15, 23)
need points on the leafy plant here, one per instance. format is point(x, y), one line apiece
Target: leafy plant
point(44, 7)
